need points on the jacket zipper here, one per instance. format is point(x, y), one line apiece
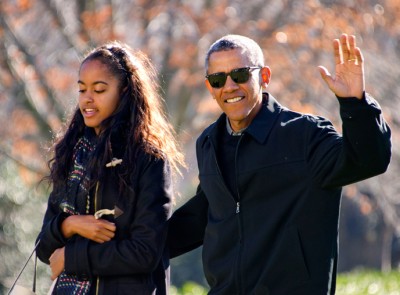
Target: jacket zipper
point(236, 176)
point(237, 206)
point(239, 258)
point(95, 210)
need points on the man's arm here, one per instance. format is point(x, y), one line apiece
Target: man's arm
point(187, 225)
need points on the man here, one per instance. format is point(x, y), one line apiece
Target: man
point(267, 206)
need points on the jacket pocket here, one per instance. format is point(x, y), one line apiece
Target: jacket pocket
point(287, 268)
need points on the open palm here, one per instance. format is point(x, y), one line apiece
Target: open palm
point(349, 76)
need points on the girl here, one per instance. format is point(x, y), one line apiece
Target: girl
point(106, 222)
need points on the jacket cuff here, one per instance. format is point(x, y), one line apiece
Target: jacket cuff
point(55, 229)
point(352, 107)
point(76, 260)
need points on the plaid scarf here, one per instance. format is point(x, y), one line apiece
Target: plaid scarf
point(77, 201)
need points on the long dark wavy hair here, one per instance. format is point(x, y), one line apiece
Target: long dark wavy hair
point(139, 122)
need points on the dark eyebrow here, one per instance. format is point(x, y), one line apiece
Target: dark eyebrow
point(95, 83)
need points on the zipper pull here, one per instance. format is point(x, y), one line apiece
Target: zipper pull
point(237, 207)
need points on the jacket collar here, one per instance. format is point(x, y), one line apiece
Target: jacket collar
point(259, 128)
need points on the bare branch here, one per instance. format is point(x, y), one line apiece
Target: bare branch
point(31, 61)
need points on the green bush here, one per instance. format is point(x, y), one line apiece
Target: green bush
point(353, 283)
point(189, 288)
point(368, 282)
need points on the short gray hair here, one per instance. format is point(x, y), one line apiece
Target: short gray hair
point(250, 48)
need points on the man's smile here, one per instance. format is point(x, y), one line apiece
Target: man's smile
point(234, 99)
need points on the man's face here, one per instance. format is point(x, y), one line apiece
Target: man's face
point(240, 102)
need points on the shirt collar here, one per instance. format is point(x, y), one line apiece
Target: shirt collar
point(231, 131)
point(262, 124)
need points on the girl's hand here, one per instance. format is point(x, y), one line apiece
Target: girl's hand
point(87, 226)
point(57, 263)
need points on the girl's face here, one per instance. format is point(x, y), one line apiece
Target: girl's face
point(98, 93)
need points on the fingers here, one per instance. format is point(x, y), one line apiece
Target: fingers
point(345, 47)
point(54, 275)
point(87, 226)
point(348, 80)
point(108, 225)
point(352, 45)
point(359, 56)
point(102, 231)
point(351, 48)
point(102, 237)
point(336, 51)
point(346, 50)
point(323, 71)
point(326, 76)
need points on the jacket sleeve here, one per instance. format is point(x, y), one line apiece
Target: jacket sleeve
point(362, 152)
point(50, 235)
point(142, 250)
point(187, 225)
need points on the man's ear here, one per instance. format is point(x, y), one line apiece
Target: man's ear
point(265, 76)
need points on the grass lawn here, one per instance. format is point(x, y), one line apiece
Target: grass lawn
point(365, 282)
point(362, 282)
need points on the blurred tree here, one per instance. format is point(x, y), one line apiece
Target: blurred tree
point(42, 41)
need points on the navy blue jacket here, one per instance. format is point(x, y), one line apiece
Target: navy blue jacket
point(135, 261)
point(278, 234)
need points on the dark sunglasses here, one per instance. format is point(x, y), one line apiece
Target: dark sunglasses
point(239, 76)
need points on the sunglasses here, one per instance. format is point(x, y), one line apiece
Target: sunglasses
point(239, 76)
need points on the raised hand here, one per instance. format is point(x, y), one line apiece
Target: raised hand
point(349, 77)
point(87, 226)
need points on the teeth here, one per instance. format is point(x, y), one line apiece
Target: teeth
point(235, 99)
point(89, 110)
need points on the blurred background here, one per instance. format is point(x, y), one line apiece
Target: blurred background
point(43, 41)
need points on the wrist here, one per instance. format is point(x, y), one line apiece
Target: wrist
point(67, 228)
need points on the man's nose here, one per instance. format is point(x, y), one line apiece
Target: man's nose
point(230, 84)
